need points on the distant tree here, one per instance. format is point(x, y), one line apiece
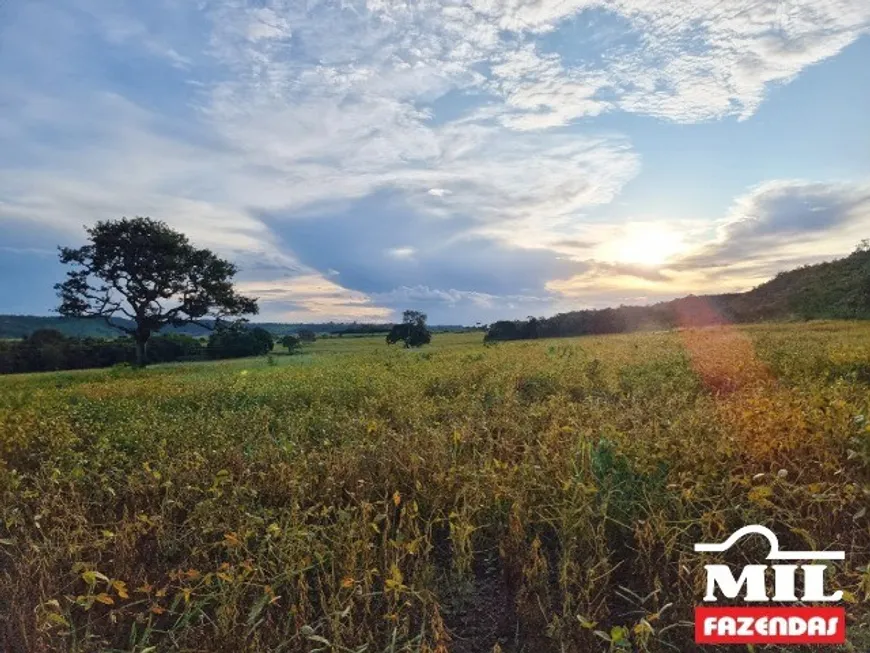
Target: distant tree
point(291, 342)
point(306, 335)
point(44, 349)
point(236, 340)
point(503, 330)
point(141, 269)
point(264, 339)
point(532, 328)
point(42, 337)
point(413, 330)
point(173, 347)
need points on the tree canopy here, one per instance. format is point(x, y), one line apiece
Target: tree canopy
point(145, 271)
point(306, 335)
point(413, 330)
point(237, 340)
point(291, 342)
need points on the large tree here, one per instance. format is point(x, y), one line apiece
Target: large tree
point(141, 269)
point(413, 330)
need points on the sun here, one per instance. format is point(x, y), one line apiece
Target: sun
point(648, 245)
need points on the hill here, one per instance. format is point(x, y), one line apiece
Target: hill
point(838, 289)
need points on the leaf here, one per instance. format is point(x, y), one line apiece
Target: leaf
point(257, 608)
point(760, 494)
point(585, 623)
point(104, 598)
point(91, 577)
point(394, 583)
point(617, 634)
point(121, 588)
point(56, 619)
point(643, 627)
point(84, 601)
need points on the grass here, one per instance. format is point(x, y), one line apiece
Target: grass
point(529, 496)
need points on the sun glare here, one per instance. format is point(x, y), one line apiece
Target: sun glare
point(648, 245)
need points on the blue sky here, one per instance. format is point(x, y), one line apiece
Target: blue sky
point(476, 159)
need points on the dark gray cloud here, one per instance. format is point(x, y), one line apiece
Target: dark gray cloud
point(260, 265)
point(574, 243)
point(379, 244)
point(605, 269)
point(777, 215)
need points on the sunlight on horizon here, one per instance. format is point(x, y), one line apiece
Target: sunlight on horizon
point(647, 245)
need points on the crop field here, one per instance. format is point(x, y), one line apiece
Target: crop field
point(531, 496)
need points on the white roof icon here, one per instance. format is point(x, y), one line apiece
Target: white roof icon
point(775, 553)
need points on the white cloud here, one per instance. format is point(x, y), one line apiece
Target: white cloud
point(401, 253)
point(706, 59)
point(788, 220)
point(312, 297)
point(539, 92)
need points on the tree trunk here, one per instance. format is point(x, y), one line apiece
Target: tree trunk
point(141, 344)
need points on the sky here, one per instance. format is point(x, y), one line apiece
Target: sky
point(474, 159)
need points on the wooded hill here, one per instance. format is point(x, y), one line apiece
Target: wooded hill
point(838, 289)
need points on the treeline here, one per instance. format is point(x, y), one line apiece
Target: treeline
point(689, 311)
point(364, 329)
point(837, 289)
point(49, 350)
point(20, 326)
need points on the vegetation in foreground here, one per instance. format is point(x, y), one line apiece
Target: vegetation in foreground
point(530, 496)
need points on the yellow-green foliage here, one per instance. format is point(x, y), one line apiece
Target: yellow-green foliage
point(537, 496)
